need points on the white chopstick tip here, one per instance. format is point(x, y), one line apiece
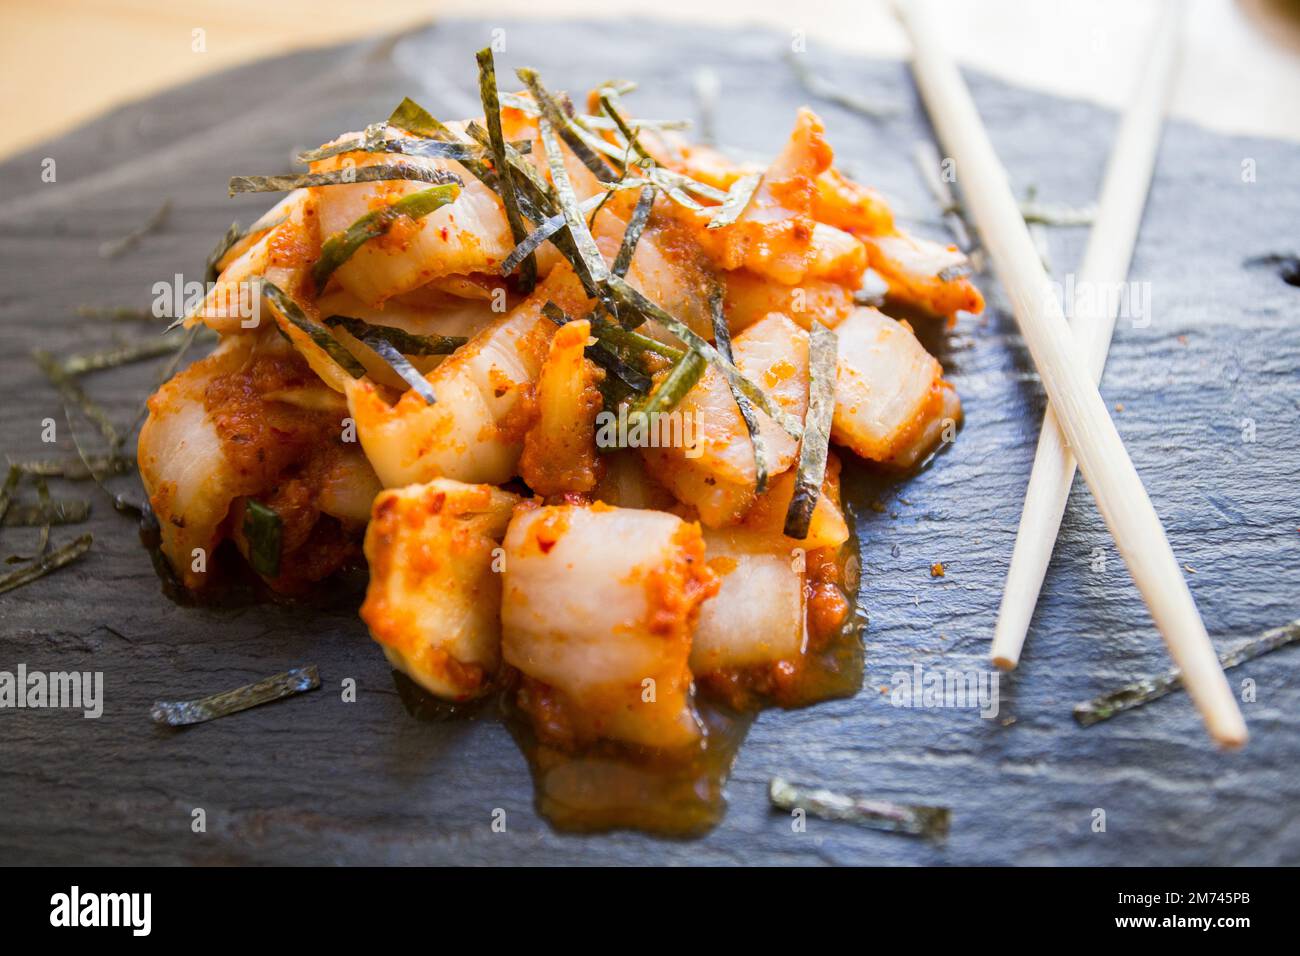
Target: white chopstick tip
point(1005, 662)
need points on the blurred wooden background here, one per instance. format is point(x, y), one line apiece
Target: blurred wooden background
point(64, 61)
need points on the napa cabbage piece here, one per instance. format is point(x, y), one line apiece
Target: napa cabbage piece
point(467, 236)
point(186, 473)
point(485, 400)
point(757, 616)
point(599, 606)
point(892, 404)
point(434, 599)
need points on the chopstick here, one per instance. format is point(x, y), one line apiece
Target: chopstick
point(1105, 266)
point(1106, 466)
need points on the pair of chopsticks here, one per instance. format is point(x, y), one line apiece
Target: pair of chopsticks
point(1077, 424)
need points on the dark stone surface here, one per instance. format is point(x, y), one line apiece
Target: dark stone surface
point(318, 780)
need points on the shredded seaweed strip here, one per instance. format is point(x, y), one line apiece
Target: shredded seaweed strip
point(61, 511)
point(738, 197)
point(823, 346)
point(631, 341)
point(115, 313)
point(537, 198)
point(823, 88)
point(424, 147)
point(191, 336)
point(591, 261)
point(212, 265)
point(913, 819)
point(416, 120)
point(50, 561)
point(379, 172)
point(408, 343)
point(1153, 688)
point(182, 713)
point(487, 84)
point(550, 226)
point(316, 332)
point(116, 247)
point(609, 105)
point(119, 355)
point(74, 470)
point(569, 131)
point(73, 394)
point(340, 247)
point(672, 388)
point(722, 341)
point(43, 517)
point(635, 227)
point(645, 309)
point(12, 478)
point(601, 354)
point(1056, 214)
point(524, 105)
point(264, 530)
point(121, 503)
point(381, 346)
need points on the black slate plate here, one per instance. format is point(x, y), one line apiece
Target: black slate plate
point(316, 779)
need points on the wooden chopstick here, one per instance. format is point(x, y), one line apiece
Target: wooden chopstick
point(1120, 496)
point(1105, 266)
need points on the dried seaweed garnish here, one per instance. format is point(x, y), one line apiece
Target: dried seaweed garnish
point(609, 105)
point(635, 227)
point(487, 83)
point(1040, 213)
point(408, 343)
point(722, 341)
point(706, 86)
point(121, 503)
point(182, 713)
point(644, 309)
point(339, 248)
point(73, 394)
point(627, 340)
point(74, 470)
point(60, 511)
point(823, 88)
point(823, 347)
point(738, 197)
point(591, 262)
point(568, 128)
point(672, 388)
point(423, 147)
point(118, 355)
point(550, 226)
point(116, 247)
point(604, 356)
point(12, 478)
point(316, 332)
point(527, 106)
point(50, 561)
point(212, 265)
point(398, 362)
point(44, 509)
point(913, 819)
point(265, 533)
point(416, 120)
point(379, 172)
point(115, 313)
point(535, 195)
point(1153, 688)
